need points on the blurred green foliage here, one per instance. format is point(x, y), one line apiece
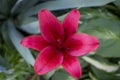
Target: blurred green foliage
point(18, 18)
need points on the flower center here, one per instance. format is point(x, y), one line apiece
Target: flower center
point(59, 45)
point(60, 48)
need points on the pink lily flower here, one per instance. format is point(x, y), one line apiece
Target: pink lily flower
point(59, 44)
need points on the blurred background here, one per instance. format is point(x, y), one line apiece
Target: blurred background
point(18, 18)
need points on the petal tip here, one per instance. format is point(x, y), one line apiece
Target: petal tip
point(22, 42)
point(42, 11)
point(78, 74)
point(36, 70)
point(97, 43)
point(75, 11)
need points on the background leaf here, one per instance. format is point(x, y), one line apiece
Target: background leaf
point(102, 75)
point(55, 5)
point(7, 5)
point(16, 37)
point(108, 33)
point(65, 4)
point(102, 65)
point(100, 18)
point(117, 3)
point(62, 74)
point(32, 28)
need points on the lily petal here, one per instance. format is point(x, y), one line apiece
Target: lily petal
point(47, 60)
point(72, 66)
point(81, 44)
point(70, 22)
point(34, 41)
point(50, 27)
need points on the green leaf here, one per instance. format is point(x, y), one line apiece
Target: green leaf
point(105, 66)
point(32, 28)
point(90, 13)
point(6, 38)
point(50, 74)
point(29, 24)
point(108, 32)
point(61, 74)
point(16, 37)
point(16, 7)
point(23, 5)
point(92, 3)
point(83, 63)
point(2, 69)
point(2, 16)
point(26, 20)
point(65, 4)
point(102, 75)
point(3, 4)
point(3, 63)
point(7, 5)
point(117, 3)
point(92, 76)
